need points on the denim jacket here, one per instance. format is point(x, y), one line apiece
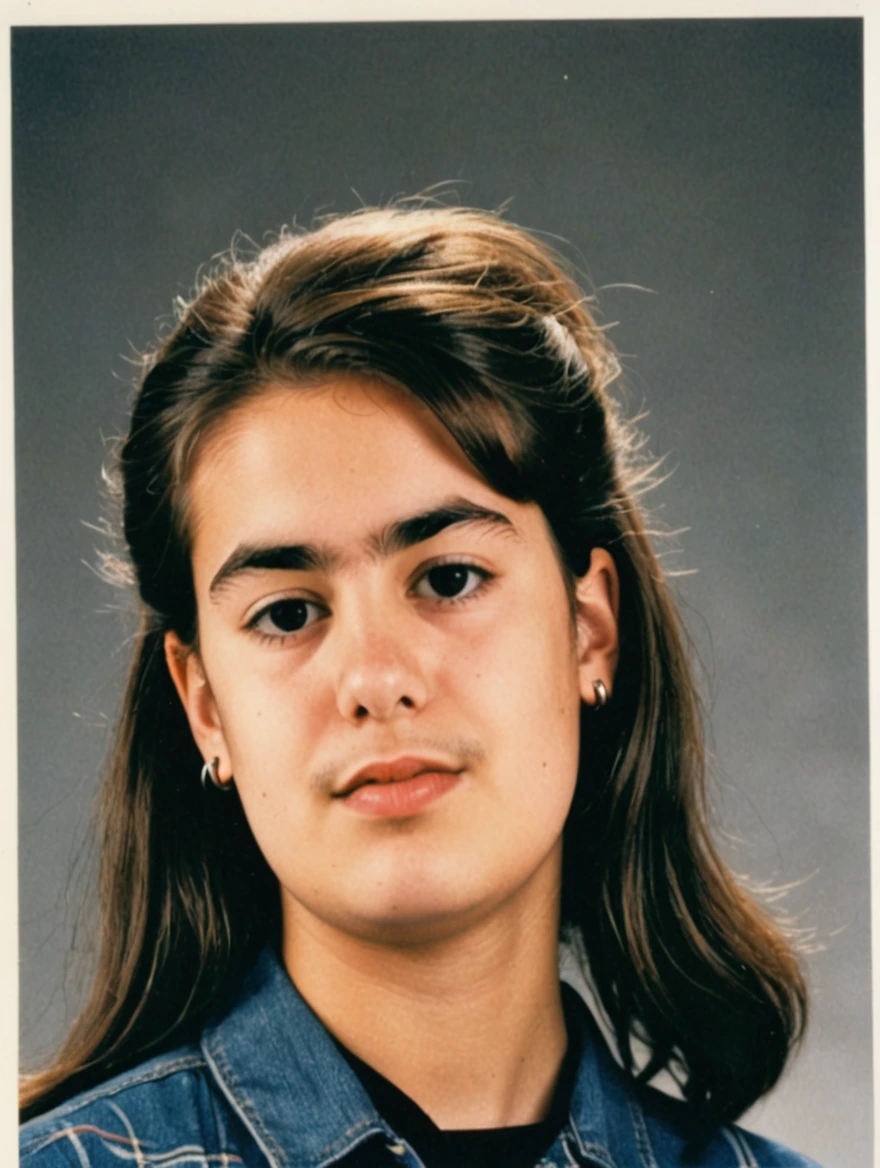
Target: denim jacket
point(267, 1087)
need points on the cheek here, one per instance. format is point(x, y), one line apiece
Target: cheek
point(532, 661)
point(265, 716)
point(520, 678)
point(550, 705)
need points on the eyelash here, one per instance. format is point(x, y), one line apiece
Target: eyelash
point(485, 578)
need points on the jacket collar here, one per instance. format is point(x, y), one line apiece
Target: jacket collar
point(283, 1074)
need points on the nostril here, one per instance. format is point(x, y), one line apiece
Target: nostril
point(380, 690)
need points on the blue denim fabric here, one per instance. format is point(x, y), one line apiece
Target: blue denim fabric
point(266, 1085)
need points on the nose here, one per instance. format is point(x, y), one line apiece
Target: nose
point(380, 676)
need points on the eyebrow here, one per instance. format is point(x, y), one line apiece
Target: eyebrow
point(394, 537)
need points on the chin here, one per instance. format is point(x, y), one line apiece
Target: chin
point(407, 926)
point(420, 908)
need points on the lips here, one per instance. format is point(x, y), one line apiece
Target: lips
point(398, 770)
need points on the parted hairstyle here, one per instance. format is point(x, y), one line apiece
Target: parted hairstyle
point(484, 324)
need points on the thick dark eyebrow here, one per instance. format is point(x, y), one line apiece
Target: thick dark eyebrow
point(396, 537)
point(406, 533)
point(290, 557)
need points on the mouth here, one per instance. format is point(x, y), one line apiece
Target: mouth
point(398, 770)
point(400, 787)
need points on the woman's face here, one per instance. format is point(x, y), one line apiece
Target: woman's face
point(387, 662)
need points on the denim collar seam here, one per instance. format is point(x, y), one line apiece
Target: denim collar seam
point(344, 1144)
point(218, 1063)
point(735, 1138)
point(641, 1134)
point(221, 1069)
point(566, 1147)
point(600, 1152)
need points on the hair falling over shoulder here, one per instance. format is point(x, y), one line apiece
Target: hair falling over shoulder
point(483, 323)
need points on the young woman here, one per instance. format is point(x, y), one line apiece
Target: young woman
point(409, 705)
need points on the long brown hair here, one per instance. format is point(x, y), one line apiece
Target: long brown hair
point(482, 323)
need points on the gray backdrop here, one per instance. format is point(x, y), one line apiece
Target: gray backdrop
point(717, 164)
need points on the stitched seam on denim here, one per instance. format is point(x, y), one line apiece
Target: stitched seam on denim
point(183, 1154)
point(747, 1151)
point(132, 1135)
point(243, 1107)
point(80, 1150)
point(369, 1129)
point(344, 1143)
point(267, 1144)
point(743, 1151)
point(643, 1140)
point(276, 1155)
point(575, 1130)
point(408, 1148)
point(566, 1147)
point(599, 1153)
point(219, 1120)
point(187, 1062)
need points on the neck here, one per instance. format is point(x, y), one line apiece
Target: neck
point(470, 1026)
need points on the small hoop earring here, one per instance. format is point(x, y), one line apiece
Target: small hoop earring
point(601, 693)
point(210, 771)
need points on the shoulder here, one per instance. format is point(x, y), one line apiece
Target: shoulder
point(670, 1129)
point(770, 1153)
point(147, 1114)
point(653, 1127)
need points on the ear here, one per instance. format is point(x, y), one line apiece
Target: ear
point(597, 599)
point(197, 699)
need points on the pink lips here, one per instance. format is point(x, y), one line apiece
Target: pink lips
point(398, 788)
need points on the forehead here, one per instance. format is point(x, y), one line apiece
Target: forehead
point(326, 462)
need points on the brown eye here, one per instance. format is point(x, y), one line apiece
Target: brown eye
point(450, 581)
point(287, 616)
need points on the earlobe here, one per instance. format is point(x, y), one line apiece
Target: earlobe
point(197, 699)
point(597, 603)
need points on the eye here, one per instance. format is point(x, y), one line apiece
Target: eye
point(450, 582)
point(283, 617)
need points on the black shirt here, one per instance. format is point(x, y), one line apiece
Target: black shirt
point(505, 1147)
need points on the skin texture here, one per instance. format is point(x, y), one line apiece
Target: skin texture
point(443, 920)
